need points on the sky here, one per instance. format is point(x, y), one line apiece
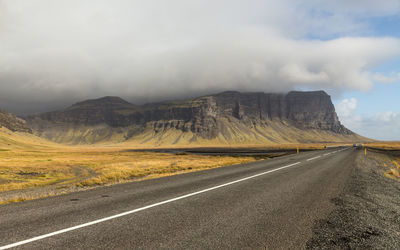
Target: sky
point(54, 53)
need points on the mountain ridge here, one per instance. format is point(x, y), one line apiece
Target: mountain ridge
point(227, 117)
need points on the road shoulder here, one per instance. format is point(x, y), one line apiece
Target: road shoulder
point(367, 213)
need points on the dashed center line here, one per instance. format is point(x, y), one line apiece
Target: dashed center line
point(314, 158)
point(326, 154)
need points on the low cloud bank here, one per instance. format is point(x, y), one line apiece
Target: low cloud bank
point(58, 52)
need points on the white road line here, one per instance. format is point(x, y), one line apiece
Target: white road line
point(139, 209)
point(327, 154)
point(314, 158)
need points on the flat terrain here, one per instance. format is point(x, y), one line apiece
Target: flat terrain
point(394, 145)
point(31, 167)
point(265, 204)
point(39, 172)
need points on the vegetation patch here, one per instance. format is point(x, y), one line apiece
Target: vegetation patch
point(62, 168)
point(32, 168)
point(393, 146)
point(392, 169)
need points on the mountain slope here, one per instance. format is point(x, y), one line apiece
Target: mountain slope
point(15, 134)
point(224, 118)
point(13, 123)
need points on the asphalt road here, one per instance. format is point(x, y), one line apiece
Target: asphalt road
point(270, 204)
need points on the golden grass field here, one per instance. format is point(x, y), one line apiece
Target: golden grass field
point(395, 145)
point(28, 162)
point(88, 166)
point(63, 167)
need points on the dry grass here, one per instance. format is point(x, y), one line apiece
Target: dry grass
point(275, 146)
point(38, 164)
point(21, 169)
point(142, 165)
point(29, 163)
point(26, 197)
point(384, 145)
point(394, 170)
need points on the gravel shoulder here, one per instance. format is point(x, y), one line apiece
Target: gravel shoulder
point(367, 213)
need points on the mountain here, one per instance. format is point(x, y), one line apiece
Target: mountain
point(16, 134)
point(225, 118)
point(13, 123)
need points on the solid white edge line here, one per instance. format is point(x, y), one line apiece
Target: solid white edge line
point(19, 243)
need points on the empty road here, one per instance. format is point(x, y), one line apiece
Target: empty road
point(266, 204)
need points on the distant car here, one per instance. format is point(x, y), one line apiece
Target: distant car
point(357, 145)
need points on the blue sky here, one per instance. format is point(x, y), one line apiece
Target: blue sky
point(382, 97)
point(385, 26)
point(377, 113)
point(57, 52)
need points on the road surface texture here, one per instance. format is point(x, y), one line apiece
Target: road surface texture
point(367, 213)
point(269, 204)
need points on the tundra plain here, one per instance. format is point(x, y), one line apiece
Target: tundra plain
point(31, 167)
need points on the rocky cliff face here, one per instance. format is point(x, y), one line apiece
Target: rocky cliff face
point(13, 123)
point(306, 110)
point(206, 117)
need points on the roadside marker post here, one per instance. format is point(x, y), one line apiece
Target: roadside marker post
point(365, 151)
point(298, 150)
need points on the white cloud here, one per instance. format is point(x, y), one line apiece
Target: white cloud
point(346, 108)
point(379, 126)
point(382, 126)
point(55, 51)
point(386, 79)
